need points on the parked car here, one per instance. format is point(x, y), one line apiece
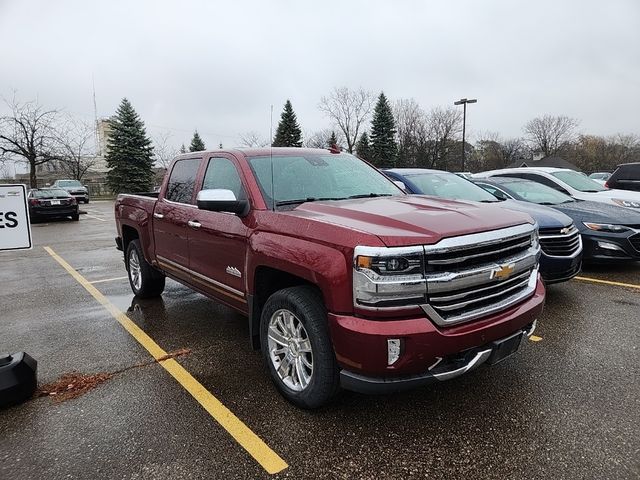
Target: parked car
point(600, 177)
point(52, 203)
point(609, 233)
point(561, 245)
point(75, 188)
point(569, 182)
point(625, 177)
point(345, 279)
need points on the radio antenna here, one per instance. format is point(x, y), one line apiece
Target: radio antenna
point(273, 196)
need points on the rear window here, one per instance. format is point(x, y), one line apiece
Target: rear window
point(451, 186)
point(627, 172)
point(69, 183)
point(182, 180)
point(50, 193)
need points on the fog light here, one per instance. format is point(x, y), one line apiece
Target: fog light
point(609, 246)
point(393, 350)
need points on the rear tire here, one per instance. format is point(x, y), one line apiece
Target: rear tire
point(75, 217)
point(297, 348)
point(145, 281)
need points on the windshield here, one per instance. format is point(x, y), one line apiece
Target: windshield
point(318, 177)
point(69, 183)
point(600, 176)
point(52, 192)
point(579, 181)
point(450, 186)
point(536, 193)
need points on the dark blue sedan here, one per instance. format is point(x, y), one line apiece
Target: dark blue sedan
point(559, 238)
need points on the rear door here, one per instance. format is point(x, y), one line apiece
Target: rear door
point(171, 216)
point(218, 245)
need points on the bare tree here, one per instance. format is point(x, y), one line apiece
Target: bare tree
point(320, 139)
point(550, 134)
point(76, 149)
point(29, 134)
point(443, 127)
point(411, 132)
point(493, 152)
point(252, 139)
point(164, 152)
point(349, 109)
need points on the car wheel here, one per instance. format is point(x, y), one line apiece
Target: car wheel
point(297, 348)
point(145, 281)
point(75, 217)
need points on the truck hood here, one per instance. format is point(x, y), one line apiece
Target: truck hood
point(411, 219)
point(596, 212)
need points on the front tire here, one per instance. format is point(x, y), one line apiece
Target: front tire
point(145, 281)
point(295, 342)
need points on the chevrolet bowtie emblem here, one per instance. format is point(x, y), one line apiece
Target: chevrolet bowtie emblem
point(503, 272)
point(565, 230)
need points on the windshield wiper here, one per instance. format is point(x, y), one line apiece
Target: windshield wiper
point(592, 191)
point(369, 195)
point(304, 200)
point(490, 201)
point(547, 203)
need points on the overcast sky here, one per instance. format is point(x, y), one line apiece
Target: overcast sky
point(218, 66)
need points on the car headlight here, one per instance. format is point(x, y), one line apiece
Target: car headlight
point(626, 203)
point(606, 227)
point(388, 277)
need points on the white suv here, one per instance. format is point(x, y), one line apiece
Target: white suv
point(570, 182)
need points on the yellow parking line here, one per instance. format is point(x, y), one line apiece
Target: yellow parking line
point(535, 338)
point(107, 280)
point(260, 451)
point(608, 282)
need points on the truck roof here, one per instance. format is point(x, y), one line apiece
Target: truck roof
point(265, 151)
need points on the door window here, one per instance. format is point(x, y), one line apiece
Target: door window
point(182, 180)
point(222, 174)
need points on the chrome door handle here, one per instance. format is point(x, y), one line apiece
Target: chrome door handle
point(158, 215)
point(194, 224)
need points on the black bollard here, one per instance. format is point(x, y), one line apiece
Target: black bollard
point(18, 378)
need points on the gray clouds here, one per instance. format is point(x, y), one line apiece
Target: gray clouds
point(218, 66)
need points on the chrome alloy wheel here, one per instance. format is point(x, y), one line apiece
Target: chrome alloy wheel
point(135, 273)
point(290, 350)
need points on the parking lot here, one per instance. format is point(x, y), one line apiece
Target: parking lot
point(566, 406)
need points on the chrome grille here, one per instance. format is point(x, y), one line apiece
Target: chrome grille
point(471, 276)
point(563, 242)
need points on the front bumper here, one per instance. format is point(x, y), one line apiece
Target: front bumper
point(361, 345)
point(609, 247)
point(559, 269)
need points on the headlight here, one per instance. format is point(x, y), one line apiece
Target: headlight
point(388, 277)
point(626, 203)
point(606, 227)
point(535, 238)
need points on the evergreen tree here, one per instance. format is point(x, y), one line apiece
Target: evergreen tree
point(288, 133)
point(129, 152)
point(183, 149)
point(384, 148)
point(197, 145)
point(363, 149)
point(333, 140)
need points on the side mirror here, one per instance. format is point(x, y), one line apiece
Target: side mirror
point(400, 185)
point(221, 200)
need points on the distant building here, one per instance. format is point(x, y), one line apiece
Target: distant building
point(550, 161)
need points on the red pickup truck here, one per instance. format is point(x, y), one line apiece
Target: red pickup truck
point(345, 280)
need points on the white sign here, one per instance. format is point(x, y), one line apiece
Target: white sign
point(15, 229)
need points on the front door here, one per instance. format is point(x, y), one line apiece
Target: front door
point(218, 246)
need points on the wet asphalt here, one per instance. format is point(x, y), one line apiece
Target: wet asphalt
point(564, 407)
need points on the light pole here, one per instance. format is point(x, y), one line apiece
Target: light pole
point(463, 102)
